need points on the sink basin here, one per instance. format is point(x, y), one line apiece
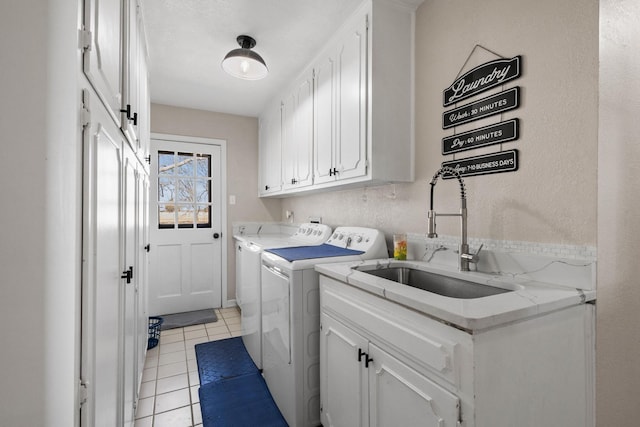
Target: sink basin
point(436, 283)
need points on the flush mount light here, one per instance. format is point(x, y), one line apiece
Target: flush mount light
point(245, 63)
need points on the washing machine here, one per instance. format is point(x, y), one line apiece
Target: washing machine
point(249, 249)
point(291, 317)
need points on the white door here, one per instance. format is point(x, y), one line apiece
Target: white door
point(185, 271)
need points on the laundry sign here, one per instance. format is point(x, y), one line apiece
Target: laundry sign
point(504, 161)
point(481, 78)
point(489, 135)
point(485, 107)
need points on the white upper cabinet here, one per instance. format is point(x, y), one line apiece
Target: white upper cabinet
point(362, 118)
point(340, 111)
point(297, 134)
point(131, 100)
point(101, 40)
point(270, 147)
point(114, 62)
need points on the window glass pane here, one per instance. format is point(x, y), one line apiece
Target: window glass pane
point(185, 190)
point(204, 165)
point(185, 164)
point(166, 163)
point(166, 216)
point(185, 215)
point(166, 190)
point(203, 216)
point(202, 191)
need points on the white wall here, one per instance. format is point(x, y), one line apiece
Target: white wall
point(40, 216)
point(552, 198)
point(241, 134)
point(618, 307)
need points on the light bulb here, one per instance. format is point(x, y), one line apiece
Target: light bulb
point(244, 66)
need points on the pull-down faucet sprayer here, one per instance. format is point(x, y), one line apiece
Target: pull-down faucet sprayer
point(465, 257)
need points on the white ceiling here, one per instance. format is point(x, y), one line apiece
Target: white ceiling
point(188, 39)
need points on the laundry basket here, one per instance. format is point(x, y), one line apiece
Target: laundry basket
point(154, 331)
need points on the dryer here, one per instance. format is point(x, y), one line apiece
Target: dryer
point(249, 249)
point(291, 317)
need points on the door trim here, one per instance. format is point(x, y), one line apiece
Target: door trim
point(223, 197)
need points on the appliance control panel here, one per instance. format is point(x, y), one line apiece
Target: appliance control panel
point(312, 233)
point(357, 238)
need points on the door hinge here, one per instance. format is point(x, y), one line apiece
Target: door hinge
point(85, 114)
point(84, 39)
point(83, 392)
point(85, 117)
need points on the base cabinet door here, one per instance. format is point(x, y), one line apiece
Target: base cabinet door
point(343, 381)
point(399, 395)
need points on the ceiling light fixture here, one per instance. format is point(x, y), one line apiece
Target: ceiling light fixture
point(245, 63)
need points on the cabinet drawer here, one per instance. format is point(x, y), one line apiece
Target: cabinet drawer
point(400, 329)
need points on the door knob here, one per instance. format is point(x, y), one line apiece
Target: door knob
point(216, 235)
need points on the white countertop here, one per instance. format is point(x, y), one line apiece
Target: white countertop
point(528, 298)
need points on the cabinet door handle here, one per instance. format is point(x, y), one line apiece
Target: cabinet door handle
point(127, 274)
point(360, 354)
point(367, 360)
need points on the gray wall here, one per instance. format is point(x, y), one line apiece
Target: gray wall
point(552, 198)
point(40, 219)
point(618, 335)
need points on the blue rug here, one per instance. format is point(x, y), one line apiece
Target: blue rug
point(243, 401)
point(222, 360)
point(232, 390)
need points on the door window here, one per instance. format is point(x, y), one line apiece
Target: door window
point(184, 190)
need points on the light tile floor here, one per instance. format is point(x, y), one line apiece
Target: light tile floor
point(169, 390)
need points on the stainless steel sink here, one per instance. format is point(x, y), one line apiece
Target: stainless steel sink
point(435, 283)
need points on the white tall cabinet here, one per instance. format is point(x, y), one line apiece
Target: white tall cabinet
point(114, 112)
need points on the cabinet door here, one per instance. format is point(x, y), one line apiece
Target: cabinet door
point(399, 395)
point(129, 286)
point(144, 113)
point(131, 71)
point(102, 266)
point(351, 153)
point(297, 135)
point(142, 263)
point(324, 118)
point(343, 380)
point(270, 151)
point(102, 59)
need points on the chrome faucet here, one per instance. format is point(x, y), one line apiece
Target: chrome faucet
point(465, 257)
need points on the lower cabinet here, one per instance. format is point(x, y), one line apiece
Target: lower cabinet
point(363, 385)
point(383, 364)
